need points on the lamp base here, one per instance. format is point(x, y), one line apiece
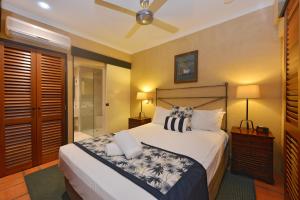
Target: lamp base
point(247, 124)
point(142, 115)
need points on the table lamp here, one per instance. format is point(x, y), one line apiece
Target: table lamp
point(141, 96)
point(247, 92)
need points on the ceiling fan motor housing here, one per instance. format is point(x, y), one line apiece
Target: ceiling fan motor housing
point(144, 17)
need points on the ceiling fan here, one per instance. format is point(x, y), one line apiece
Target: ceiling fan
point(143, 17)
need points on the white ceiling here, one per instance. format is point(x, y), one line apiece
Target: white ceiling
point(91, 21)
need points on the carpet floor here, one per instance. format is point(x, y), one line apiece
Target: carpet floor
point(48, 184)
point(235, 187)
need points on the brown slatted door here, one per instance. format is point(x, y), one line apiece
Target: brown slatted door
point(18, 100)
point(51, 105)
point(292, 131)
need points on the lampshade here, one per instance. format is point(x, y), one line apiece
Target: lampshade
point(248, 92)
point(141, 96)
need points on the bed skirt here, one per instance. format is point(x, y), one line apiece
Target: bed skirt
point(213, 187)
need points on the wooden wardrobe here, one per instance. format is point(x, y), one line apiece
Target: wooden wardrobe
point(292, 108)
point(32, 106)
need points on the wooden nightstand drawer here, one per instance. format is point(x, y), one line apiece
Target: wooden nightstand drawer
point(253, 141)
point(252, 154)
point(135, 122)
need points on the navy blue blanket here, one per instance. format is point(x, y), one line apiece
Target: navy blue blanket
point(164, 174)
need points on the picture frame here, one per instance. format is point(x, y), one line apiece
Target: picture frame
point(186, 67)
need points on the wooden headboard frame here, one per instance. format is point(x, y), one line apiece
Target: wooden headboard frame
point(212, 99)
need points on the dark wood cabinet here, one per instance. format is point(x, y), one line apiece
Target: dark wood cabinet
point(136, 121)
point(291, 150)
point(50, 106)
point(17, 108)
point(252, 154)
point(32, 107)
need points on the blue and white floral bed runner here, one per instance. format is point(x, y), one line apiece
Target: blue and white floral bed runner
point(165, 175)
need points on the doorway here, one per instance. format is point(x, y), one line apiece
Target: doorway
point(89, 110)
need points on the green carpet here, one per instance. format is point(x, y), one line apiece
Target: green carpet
point(235, 187)
point(48, 184)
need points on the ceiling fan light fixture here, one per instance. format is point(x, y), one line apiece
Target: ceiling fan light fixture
point(144, 17)
point(144, 4)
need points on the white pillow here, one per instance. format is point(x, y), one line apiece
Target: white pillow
point(221, 115)
point(208, 120)
point(160, 115)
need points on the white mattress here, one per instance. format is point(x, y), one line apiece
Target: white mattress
point(93, 180)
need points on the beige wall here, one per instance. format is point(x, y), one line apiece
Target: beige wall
point(76, 41)
point(245, 50)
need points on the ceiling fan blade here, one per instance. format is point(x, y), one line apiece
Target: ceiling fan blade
point(165, 26)
point(156, 5)
point(115, 7)
point(133, 30)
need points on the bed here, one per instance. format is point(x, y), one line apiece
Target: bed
point(87, 178)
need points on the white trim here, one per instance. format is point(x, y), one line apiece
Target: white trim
point(11, 8)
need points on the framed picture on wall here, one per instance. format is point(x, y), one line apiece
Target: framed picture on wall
point(186, 67)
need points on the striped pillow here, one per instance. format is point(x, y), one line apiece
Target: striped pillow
point(183, 112)
point(176, 124)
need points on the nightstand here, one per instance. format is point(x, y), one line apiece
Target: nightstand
point(136, 121)
point(252, 154)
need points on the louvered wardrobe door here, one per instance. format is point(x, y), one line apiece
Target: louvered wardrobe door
point(51, 105)
point(17, 104)
point(292, 131)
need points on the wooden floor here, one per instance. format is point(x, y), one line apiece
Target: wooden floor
point(13, 187)
point(265, 191)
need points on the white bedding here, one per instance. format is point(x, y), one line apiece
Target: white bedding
point(93, 180)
